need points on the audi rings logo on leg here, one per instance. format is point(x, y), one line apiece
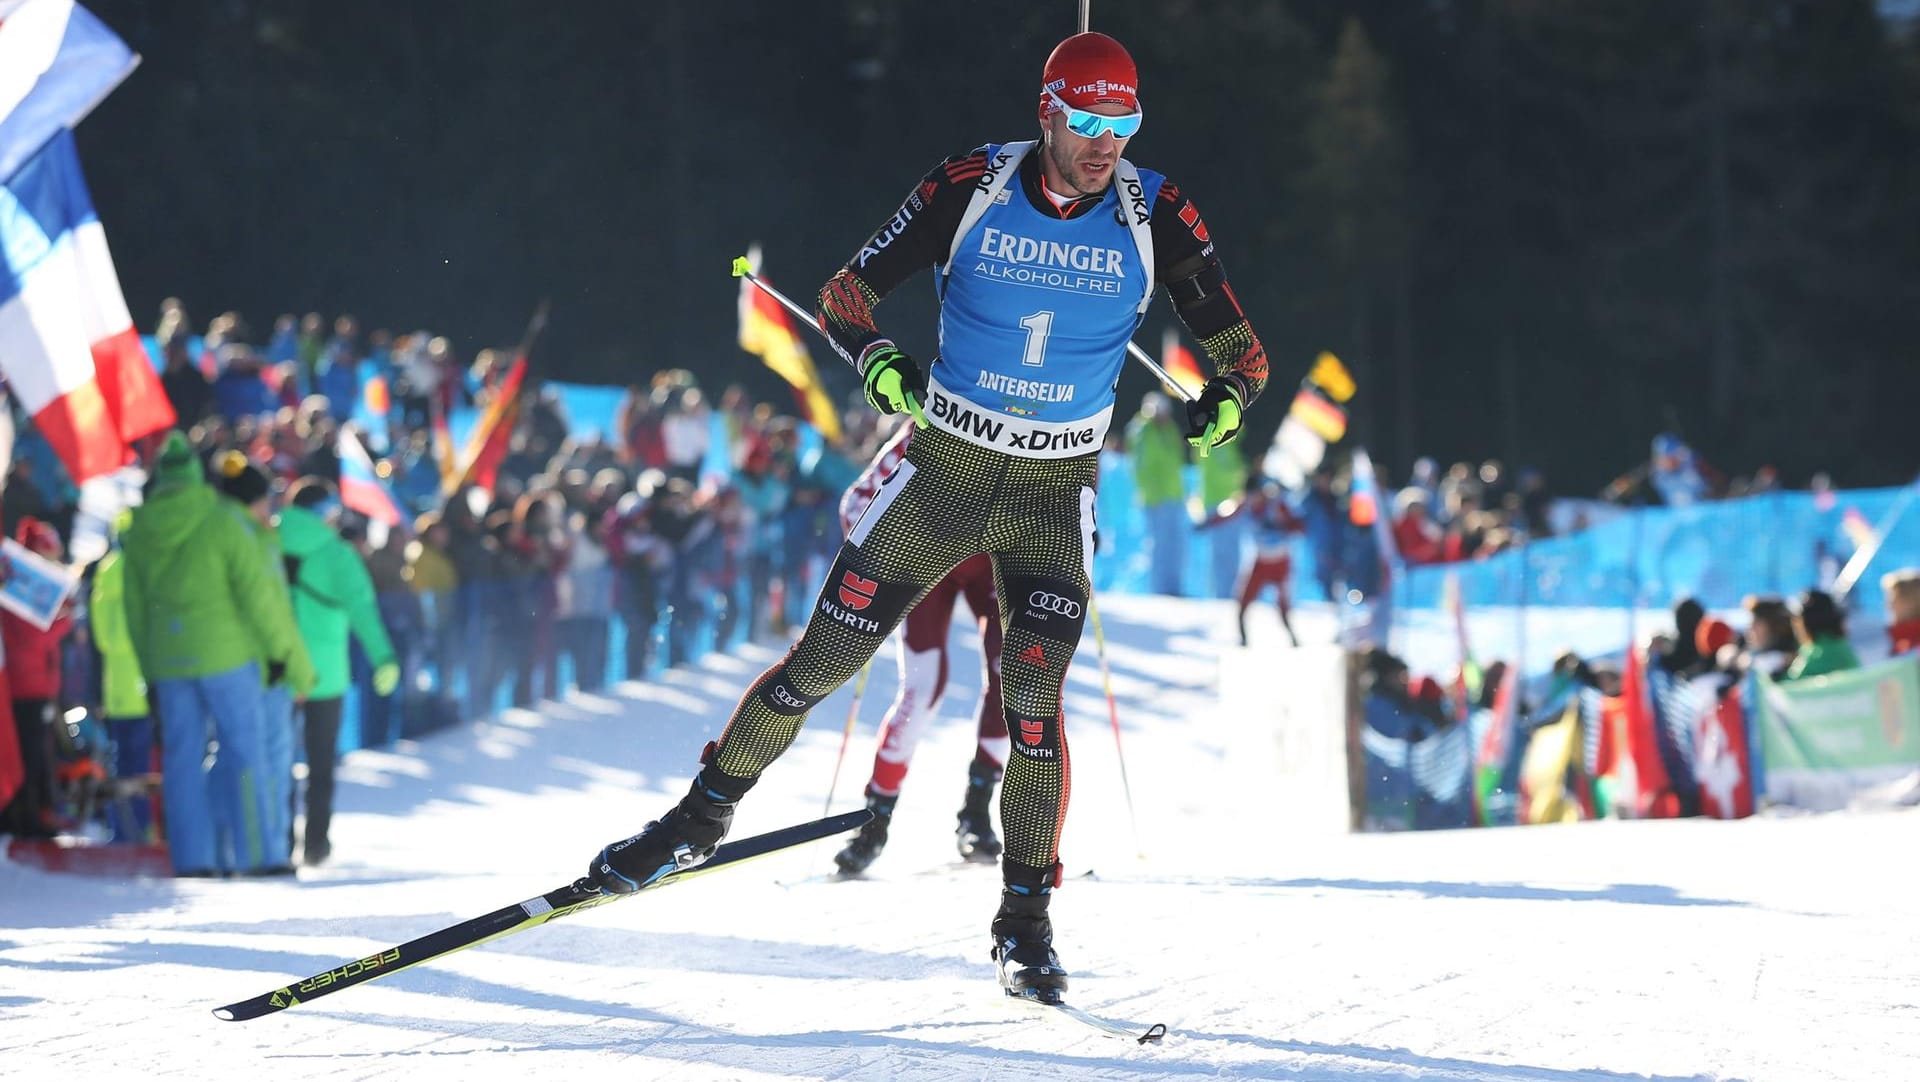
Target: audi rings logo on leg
point(1043, 601)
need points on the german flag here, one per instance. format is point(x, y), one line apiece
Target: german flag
point(492, 435)
point(1179, 362)
point(1322, 417)
point(769, 333)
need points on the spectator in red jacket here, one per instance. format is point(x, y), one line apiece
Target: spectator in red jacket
point(1902, 589)
point(33, 676)
point(1414, 532)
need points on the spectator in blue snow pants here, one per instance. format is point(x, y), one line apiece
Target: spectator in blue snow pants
point(202, 606)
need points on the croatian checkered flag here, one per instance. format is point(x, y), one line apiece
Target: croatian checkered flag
point(1676, 712)
point(1592, 727)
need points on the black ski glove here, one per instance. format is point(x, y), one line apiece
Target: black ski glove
point(894, 383)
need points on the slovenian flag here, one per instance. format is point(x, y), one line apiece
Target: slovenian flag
point(56, 63)
point(1367, 506)
point(373, 406)
point(67, 343)
point(360, 486)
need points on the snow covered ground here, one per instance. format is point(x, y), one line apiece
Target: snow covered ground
point(1780, 948)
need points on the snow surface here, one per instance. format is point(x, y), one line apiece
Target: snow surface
point(1779, 948)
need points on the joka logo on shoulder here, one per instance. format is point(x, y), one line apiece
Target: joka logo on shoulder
point(856, 593)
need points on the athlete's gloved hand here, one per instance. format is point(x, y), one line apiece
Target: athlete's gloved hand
point(1213, 419)
point(385, 679)
point(895, 384)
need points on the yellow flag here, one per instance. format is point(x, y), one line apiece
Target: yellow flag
point(1332, 377)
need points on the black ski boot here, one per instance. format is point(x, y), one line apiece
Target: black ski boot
point(872, 838)
point(683, 838)
point(1023, 936)
point(975, 835)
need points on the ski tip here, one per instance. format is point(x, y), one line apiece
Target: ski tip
point(224, 1014)
point(741, 266)
point(1154, 1033)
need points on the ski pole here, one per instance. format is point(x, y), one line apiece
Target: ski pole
point(846, 734)
point(1172, 385)
point(1113, 715)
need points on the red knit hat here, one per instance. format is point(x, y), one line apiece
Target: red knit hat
point(1711, 635)
point(1087, 70)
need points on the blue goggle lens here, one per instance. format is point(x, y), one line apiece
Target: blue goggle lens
point(1093, 125)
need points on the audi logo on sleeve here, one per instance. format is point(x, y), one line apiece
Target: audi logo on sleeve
point(1054, 603)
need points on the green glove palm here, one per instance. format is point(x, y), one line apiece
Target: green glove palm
point(895, 384)
point(385, 679)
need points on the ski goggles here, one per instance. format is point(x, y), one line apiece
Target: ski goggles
point(1093, 125)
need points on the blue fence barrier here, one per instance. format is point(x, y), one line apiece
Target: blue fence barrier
point(1650, 557)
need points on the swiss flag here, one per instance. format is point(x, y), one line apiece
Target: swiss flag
point(1720, 759)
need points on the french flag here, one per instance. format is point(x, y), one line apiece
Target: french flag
point(67, 343)
point(56, 63)
point(360, 487)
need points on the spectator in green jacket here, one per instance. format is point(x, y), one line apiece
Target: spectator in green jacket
point(249, 486)
point(1159, 452)
point(200, 605)
point(1823, 638)
point(123, 690)
point(332, 597)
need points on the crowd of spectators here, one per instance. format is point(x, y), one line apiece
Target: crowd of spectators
point(587, 558)
point(1466, 512)
point(1781, 640)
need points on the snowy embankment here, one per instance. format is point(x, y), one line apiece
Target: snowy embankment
point(1780, 948)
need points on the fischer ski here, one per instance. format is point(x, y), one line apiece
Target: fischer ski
point(1107, 1026)
point(531, 913)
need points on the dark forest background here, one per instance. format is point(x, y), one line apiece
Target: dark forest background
point(1537, 230)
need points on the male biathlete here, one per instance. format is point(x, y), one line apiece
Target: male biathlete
point(1047, 253)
